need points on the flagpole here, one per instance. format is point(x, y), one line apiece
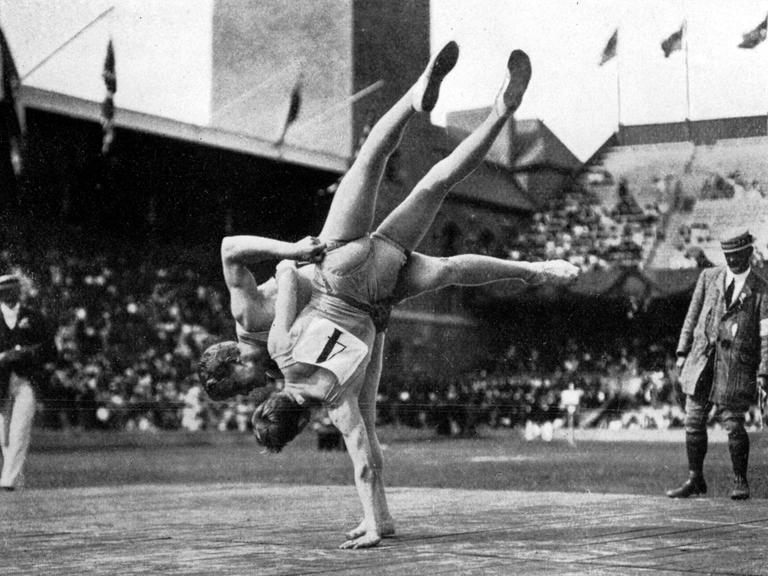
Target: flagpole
point(344, 104)
point(687, 82)
point(618, 87)
point(269, 81)
point(61, 47)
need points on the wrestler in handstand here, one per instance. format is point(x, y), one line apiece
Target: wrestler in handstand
point(330, 350)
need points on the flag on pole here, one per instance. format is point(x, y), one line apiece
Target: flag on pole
point(293, 108)
point(12, 122)
point(674, 42)
point(108, 105)
point(756, 36)
point(610, 48)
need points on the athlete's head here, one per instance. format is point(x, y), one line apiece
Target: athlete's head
point(278, 420)
point(225, 369)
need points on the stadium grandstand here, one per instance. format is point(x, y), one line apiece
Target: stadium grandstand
point(703, 176)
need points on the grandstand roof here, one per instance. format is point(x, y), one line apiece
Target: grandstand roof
point(81, 108)
point(521, 145)
point(221, 72)
point(696, 131)
point(491, 185)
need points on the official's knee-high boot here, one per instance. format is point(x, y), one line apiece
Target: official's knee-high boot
point(738, 446)
point(696, 449)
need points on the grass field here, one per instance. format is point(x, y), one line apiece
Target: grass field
point(644, 463)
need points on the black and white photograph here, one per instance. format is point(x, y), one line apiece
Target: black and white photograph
point(340, 287)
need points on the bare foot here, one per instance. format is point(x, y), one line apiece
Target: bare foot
point(387, 530)
point(554, 272)
point(367, 540)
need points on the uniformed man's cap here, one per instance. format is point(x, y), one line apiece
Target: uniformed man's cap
point(735, 240)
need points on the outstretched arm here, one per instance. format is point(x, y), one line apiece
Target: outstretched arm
point(239, 252)
point(347, 418)
point(367, 405)
point(249, 305)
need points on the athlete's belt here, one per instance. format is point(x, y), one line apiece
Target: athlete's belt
point(379, 312)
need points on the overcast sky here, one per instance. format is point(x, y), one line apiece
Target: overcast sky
point(570, 92)
point(577, 98)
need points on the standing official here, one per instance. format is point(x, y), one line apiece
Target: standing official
point(26, 344)
point(722, 355)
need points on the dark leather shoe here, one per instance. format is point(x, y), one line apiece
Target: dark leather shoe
point(694, 486)
point(740, 488)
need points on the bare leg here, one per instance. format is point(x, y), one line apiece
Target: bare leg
point(408, 223)
point(425, 273)
point(367, 402)
point(352, 210)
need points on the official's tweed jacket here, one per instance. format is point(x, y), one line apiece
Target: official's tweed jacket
point(738, 337)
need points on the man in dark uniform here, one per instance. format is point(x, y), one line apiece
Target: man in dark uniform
point(26, 344)
point(723, 355)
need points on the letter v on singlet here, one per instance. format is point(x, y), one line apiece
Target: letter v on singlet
point(333, 339)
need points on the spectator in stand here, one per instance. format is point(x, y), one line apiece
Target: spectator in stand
point(192, 419)
point(579, 229)
point(696, 254)
point(626, 205)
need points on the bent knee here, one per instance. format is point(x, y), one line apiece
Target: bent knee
point(424, 274)
point(695, 424)
point(440, 272)
point(734, 427)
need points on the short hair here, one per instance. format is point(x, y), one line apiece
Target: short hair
point(216, 371)
point(278, 420)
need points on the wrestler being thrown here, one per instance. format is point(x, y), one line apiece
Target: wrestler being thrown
point(329, 351)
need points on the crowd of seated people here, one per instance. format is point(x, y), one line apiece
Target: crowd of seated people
point(734, 186)
point(627, 384)
point(581, 229)
point(130, 332)
point(129, 335)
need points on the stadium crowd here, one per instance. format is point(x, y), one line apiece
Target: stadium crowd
point(130, 328)
point(579, 228)
point(629, 384)
point(733, 185)
point(129, 334)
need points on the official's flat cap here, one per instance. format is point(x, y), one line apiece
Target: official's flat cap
point(736, 239)
point(8, 281)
